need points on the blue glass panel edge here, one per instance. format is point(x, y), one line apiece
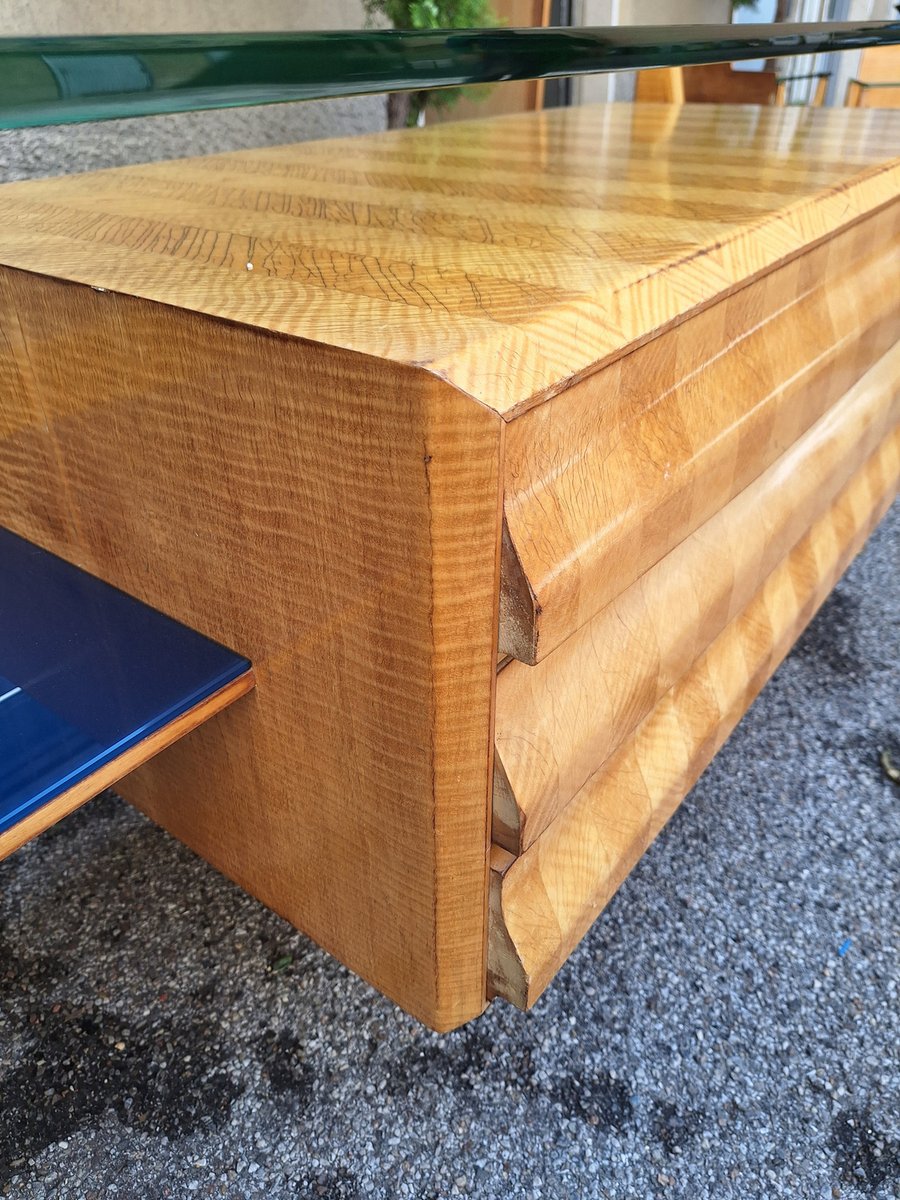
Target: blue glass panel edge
point(108, 669)
point(100, 759)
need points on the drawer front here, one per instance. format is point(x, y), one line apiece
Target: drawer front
point(544, 900)
point(604, 479)
point(557, 722)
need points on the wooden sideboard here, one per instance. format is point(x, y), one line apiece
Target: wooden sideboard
point(514, 453)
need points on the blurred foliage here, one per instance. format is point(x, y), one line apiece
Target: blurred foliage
point(434, 14)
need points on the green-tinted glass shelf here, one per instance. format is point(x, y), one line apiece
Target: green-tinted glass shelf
point(56, 80)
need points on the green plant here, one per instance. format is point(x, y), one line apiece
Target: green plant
point(404, 107)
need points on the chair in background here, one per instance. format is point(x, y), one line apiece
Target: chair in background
point(719, 83)
point(877, 84)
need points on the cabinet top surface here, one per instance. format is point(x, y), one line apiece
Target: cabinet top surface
point(506, 255)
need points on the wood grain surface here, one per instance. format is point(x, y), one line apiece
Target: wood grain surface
point(605, 478)
point(334, 518)
point(506, 256)
point(112, 772)
point(280, 394)
point(556, 723)
point(544, 901)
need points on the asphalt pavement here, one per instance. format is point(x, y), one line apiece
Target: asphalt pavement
point(729, 1028)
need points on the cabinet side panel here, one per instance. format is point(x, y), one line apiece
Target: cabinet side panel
point(348, 548)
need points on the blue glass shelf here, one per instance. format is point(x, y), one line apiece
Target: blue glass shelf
point(86, 672)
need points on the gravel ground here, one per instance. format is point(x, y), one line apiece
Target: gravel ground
point(729, 1028)
point(61, 149)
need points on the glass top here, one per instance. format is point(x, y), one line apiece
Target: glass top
point(57, 80)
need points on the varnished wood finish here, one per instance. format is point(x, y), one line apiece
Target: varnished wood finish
point(558, 722)
point(605, 478)
point(212, 472)
point(505, 256)
point(544, 901)
point(114, 771)
point(286, 394)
